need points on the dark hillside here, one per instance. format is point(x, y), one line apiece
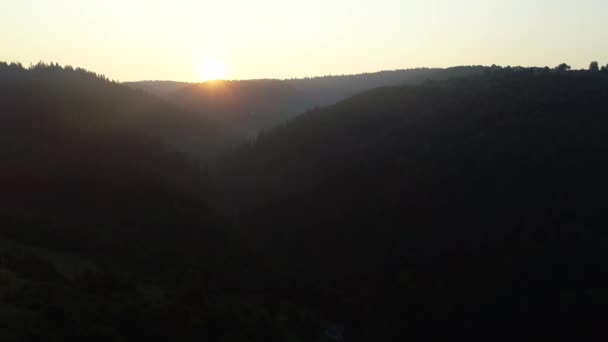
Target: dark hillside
point(471, 204)
point(106, 231)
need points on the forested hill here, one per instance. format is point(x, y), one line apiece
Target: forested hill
point(91, 161)
point(64, 126)
point(106, 226)
point(106, 231)
point(244, 108)
point(474, 205)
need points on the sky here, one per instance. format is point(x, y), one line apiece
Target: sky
point(129, 40)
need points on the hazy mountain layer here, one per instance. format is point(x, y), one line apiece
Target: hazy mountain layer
point(244, 108)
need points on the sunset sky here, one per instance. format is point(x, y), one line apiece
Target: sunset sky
point(138, 40)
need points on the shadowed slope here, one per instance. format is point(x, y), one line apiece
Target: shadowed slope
point(468, 204)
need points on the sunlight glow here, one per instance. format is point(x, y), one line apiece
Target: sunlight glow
point(211, 69)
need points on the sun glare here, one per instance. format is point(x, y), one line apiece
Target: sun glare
point(211, 69)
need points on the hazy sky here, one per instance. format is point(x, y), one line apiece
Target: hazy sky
point(149, 39)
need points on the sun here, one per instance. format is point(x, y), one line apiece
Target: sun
point(211, 69)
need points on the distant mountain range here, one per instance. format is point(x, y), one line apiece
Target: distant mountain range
point(242, 109)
